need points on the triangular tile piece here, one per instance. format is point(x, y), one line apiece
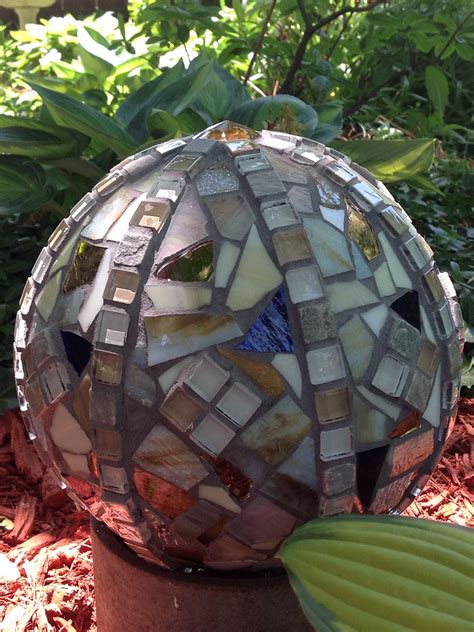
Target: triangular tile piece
point(271, 331)
point(78, 350)
point(369, 466)
point(408, 307)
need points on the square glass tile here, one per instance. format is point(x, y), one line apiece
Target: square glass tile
point(428, 358)
point(291, 245)
point(121, 286)
point(169, 188)
point(107, 367)
point(317, 322)
point(415, 255)
point(212, 435)
point(339, 173)
point(390, 376)
point(265, 183)
point(217, 179)
point(252, 162)
point(112, 327)
point(419, 390)
point(443, 321)
point(181, 409)
point(397, 222)
point(365, 196)
point(239, 404)
point(335, 444)
point(435, 290)
point(27, 296)
point(447, 285)
point(41, 266)
point(278, 213)
point(151, 213)
point(325, 365)
point(114, 479)
point(107, 444)
point(186, 163)
point(207, 378)
point(55, 381)
point(404, 338)
point(304, 284)
point(338, 478)
point(332, 405)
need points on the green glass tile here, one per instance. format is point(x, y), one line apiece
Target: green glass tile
point(361, 232)
point(196, 264)
point(84, 267)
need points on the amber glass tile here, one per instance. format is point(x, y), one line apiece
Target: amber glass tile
point(361, 232)
point(291, 245)
point(107, 444)
point(186, 163)
point(428, 358)
point(84, 266)
point(227, 131)
point(107, 367)
point(409, 423)
point(196, 264)
point(181, 409)
point(121, 286)
point(151, 213)
point(332, 405)
point(262, 375)
point(232, 477)
point(162, 495)
point(433, 285)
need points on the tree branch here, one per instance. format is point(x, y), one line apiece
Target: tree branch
point(338, 38)
point(310, 30)
point(259, 43)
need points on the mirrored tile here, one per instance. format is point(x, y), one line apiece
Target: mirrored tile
point(114, 479)
point(317, 322)
point(166, 456)
point(169, 187)
point(390, 376)
point(206, 378)
point(412, 452)
point(107, 367)
point(287, 365)
point(415, 255)
point(111, 182)
point(21, 331)
point(455, 357)
point(83, 207)
point(252, 162)
point(361, 232)
point(304, 284)
point(365, 195)
point(200, 146)
point(194, 264)
point(339, 173)
point(300, 198)
point(443, 322)
point(28, 295)
point(329, 246)
point(291, 245)
point(151, 213)
point(261, 521)
point(121, 286)
point(41, 266)
point(169, 146)
point(358, 345)
point(428, 358)
point(447, 285)
point(450, 393)
point(325, 365)
point(329, 195)
point(78, 350)
point(112, 327)
point(277, 140)
point(216, 179)
point(262, 374)
point(40, 349)
point(186, 163)
point(238, 404)
point(276, 434)
point(404, 338)
point(265, 183)
point(434, 288)
point(212, 434)
point(332, 405)
point(181, 409)
point(335, 444)
point(278, 213)
point(232, 215)
point(395, 220)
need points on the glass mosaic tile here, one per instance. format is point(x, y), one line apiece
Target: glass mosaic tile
point(433, 407)
point(66, 252)
point(332, 405)
point(164, 149)
point(399, 275)
point(33, 397)
point(404, 338)
point(335, 216)
point(67, 433)
point(291, 245)
point(217, 179)
point(336, 505)
point(181, 409)
point(169, 188)
point(114, 479)
point(235, 481)
point(383, 280)
point(118, 230)
point(262, 522)
point(338, 478)
point(447, 285)
point(206, 378)
point(186, 163)
point(414, 254)
point(457, 317)
point(433, 285)
point(39, 350)
point(71, 305)
point(450, 393)
point(197, 519)
point(252, 162)
point(361, 232)
point(275, 434)
point(305, 155)
point(396, 221)
point(82, 207)
point(110, 183)
point(169, 377)
point(54, 382)
point(108, 444)
point(41, 266)
point(276, 140)
point(227, 553)
point(18, 364)
point(292, 494)
point(358, 345)
point(169, 296)
point(121, 286)
point(390, 376)
point(107, 367)
point(200, 146)
point(151, 213)
point(163, 454)
point(21, 331)
point(408, 307)
point(103, 407)
point(81, 404)
point(329, 247)
point(455, 357)
point(303, 284)
point(300, 198)
point(428, 358)
point(255, 277)
point(278, 213)
point(218, 496)
point(228, 256)
point(235, 147)
point(335, 444)
point(271, 331)
point(329, 196)
point(408, 424)
point(389, 408)
point(443, 322)
point(76, 463)
point(325, 364)
point(212, 434)
point(78, 350)
point(108, 214)
point(93, 303)
point(419, 390)
point(339, 173)
point(162, 495)
point(365, 196)
point(403, 456)
point(289, 173)
point(301, 464)
point(227, 131)
point(195, 264)
point(262, 374)
point(265, 183)
point(138, 384)
point(317, 322)
point(287, 365)
point(112, 327)
point(347, 295)
point(362, 270)
point(232, 216)
point(238, 404)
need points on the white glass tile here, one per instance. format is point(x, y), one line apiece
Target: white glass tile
point(447, 285)
point(171, 375)
point(386, 406)
point(239, 404)
point(108, 214)
point(120, 227)
point(325, 365)
point(304, 284)
point(228, 256)
point(361, 268)
point(383, 279)
point(212, 435)
point(346, 295)
point(376, 318)
point(335, 444)
point(365, 196)
point(358, 344)
point(66, 432)
point(287, 365)
point(207, 378)
point(167, 295)
point(399, 275)
point(329, 247)
point(390, 376)
point(335, 216)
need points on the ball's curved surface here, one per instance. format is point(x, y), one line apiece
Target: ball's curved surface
point(233, 334)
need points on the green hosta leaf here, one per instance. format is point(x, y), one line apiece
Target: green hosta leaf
point(26, 137)
point(384, 573)
point(220, 93)
point(69, 112)
point(390, 160)
point(282, 111)
point(23, 185)
point(329, 122)
point(437, 87)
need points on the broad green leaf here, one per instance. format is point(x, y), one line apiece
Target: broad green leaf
point(437, 88)
point(329, 122)
point(161, 125)
point(69, 112)
point(465, 50)
point(23, 185)
point(390, 160)
point(357, 573)
point(220, 94)
point(283, 112)
point(96, 58)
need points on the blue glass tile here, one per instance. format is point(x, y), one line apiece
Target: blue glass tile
point(271, 331)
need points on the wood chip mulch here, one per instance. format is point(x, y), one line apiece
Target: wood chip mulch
point(46, 579)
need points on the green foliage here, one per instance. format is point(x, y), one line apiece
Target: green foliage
point(78, 96)
point(357, 573)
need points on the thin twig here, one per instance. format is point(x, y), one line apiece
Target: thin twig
point(455, 32)
point(259, 43)
point(337, 40)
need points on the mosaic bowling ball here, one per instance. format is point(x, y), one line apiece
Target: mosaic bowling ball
point(232, 334)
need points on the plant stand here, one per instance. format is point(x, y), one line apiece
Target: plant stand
point(134, 595)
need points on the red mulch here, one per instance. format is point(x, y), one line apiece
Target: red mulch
point(46, 579)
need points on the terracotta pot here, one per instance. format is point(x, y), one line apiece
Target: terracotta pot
point(134, 595)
